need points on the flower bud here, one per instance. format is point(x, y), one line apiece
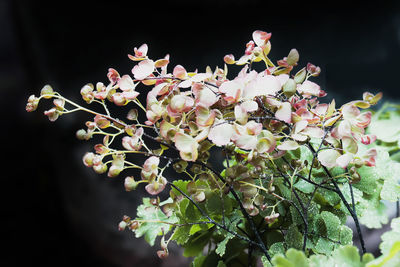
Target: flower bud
point(100, 168)
point(32, 104)
point(130, 183)
point(52, 114)
point(59, 104)
point(163, 244)
point(162, 254)
point(229, 59)
point(132, 114)
point(134, 225)
point(180, 166)
point(81, 134)
point(271, 218)
point(87, 93)
point(114, 171)
point(122, 225)
point(118, 99)
point(88, 159)
point(47, 92)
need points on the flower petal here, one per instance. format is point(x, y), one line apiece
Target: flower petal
point(221, 133)
point(328, 157)
point(344, 160)
point(288, 145)
point(143, 69)
point(284, 112)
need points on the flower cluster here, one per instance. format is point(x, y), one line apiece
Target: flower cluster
point(263, 113)
point(256, 118)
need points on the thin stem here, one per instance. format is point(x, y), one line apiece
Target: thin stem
point(210, 220)
point(260, 243)
point(351, 211)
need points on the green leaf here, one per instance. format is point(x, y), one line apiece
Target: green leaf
point(181, 185)
point(276, 248)
point(390, 190)
point(390, 237)
point(293, 238)
point(153, 221)
point(367, 184)
point(216, 204)
point(180, 235)
point(332, 224)
point(374, 216)
point(199, 227)
point(347, 256)
point(221, 264)
point(221, 247)
point(324, 246)
point(391, 259)
point(265, 262)
point(321, 260)
point(345, 235)
point(294, 258)
point(196, 243)
point(386, 130)
point(304, 186)
point(198, 261)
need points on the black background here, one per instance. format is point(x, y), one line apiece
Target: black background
point(57, 212)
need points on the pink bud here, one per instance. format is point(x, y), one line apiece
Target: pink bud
point(113, 76)
point(118, 99)
point(122, 225)
point(52, 114)
point(249, 48)
point(229, 59)
point(162, 254)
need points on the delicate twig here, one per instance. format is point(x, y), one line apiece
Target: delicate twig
point(260, 243)
point(210, 220)
point(352, 213)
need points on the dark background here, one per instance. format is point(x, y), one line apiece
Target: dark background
point(57, 212)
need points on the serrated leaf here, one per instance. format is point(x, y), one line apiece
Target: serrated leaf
point(304, 186)
point(294, 258)
point(387, 130)
point(332, 224)
point(265, 262)
point(216, 204)
point(154, 221)
point(180, 235)
point(293, 238)
point(391, 259)
point(221, 247)
point(276, 248)
point(347, 256)
point(199, 227)
point(345, 235)
point(374, 216)
point(369, 176)
point(198, 261)
point(390, 237)
point(390, 190)
point(324, 246)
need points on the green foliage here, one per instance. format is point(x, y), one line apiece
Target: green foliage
point(153, 222)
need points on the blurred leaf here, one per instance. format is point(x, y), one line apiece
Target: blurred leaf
point(155, 217)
